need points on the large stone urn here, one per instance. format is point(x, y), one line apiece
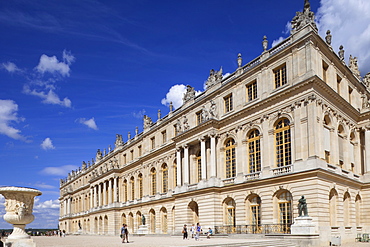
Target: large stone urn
point(19, 205)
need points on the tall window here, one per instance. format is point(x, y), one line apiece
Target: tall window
point(346, 209)
point(199, 117)
point(154, 180)
point(285, 210)
point(139, 150)
point(140, 185)
point(132, 155)
point(165, 178)
point(350, 90)
point(229, 215)
point(325, 68)
point(333, 207)
point(132, 188)
point(252, 91)
point(124, 159)
point(254, 148)
point(152, 141)
point(199, 166)
point(339, 80)
point(125, 190)
point(175, 173)
point(283, 143)
point(255, 210)
point(280, 76)
point(228, 101)
point(164, 137)
point(230, 161)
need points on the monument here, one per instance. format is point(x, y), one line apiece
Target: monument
point(19, 205)
point(143, 228)
point(303, 223)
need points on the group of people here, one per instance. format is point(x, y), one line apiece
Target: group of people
point(124, 233)
point(195, 231)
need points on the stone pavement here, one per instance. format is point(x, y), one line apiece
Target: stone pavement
point(160, 241)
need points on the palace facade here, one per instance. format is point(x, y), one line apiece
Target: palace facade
point(237, 158)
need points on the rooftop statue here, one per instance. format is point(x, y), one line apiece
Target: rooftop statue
point(341, 53)
point(214, 77)
point(147, 122)
point(189, 94)
point(328, 38)
point(366, 80)
point(353, 66)
point(301, 19)
point(119, 141)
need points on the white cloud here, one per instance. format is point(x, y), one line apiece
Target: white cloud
point(10, 67)
point(58, 171)
point(44, 186)
point(139, 114)
point(277, 41)
point(45, 204)
point(47, 144)
point(89, 123)
point(349, 22)
point(49, 97)
point(53, 65)
point(8, 115)
point(175, 95)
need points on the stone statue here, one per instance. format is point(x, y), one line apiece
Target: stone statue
point(240, 60)
point(178, 126)
point(119, 141)
point(301, 19)
point(341, 53)
point(143, 220)
point(353, 66)
point(214, 77)
point(365, 101)
point(302, 207)
point(147, 122)
point(189, 94)
point(212, 109)
point(99, 155)
point(265, 43)
point(84, 165)
point(171, 107)
point(186, 124)
point(328, 38)
point(159, 114)
point(205, 116)
point(366, 80)
point(129, 135)
point(136, 130)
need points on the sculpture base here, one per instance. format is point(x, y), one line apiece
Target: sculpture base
point(19, 233)
point(143, 229)
point(303, 225)
point(20, 243)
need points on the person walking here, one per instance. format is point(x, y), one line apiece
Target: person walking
point(123, 233)
point(198, 230)
point(185, 232)
point(192, 230)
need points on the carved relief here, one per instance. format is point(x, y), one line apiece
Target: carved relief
point(301, 19)
point(189, 94)
point(214, 77)
point(147, 122)
point(353, 66)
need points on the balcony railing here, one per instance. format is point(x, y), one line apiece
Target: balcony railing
point(282, 170)
point(254, 229)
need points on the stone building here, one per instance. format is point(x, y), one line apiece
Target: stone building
point(294, 121)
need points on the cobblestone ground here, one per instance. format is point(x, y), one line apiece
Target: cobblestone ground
point(148, 241)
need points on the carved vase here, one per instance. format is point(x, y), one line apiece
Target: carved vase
point(19, 205)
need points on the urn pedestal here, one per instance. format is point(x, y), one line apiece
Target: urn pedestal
point(19, 205)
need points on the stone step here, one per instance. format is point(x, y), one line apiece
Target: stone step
point(269, 243)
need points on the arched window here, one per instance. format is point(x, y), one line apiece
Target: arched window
point(285, 210)
point(283, 143)
point(327, 137)
point(199, 166)
point(164, 224)
point(346, 209)
point(125, 190)
point(132, 181)
point(358, 210)
point(255, 210)
point(230, 158)
point(154, 180)
point(140, 181)
point(229, 214)
point(341, 144)
point(175, 172)
point(333, 207)
point(152, 221)
point(254, 151)
point(165, 178)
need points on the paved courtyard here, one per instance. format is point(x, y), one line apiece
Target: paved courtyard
point(160, 241)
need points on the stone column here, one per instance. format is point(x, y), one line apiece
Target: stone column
point(203, 157)
point(213, 156)
point(367, 149)
point(179, 168)
point(186, 164)
point(115, 188)
point(104, 193)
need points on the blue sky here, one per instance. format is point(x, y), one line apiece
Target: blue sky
point(73, 74)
